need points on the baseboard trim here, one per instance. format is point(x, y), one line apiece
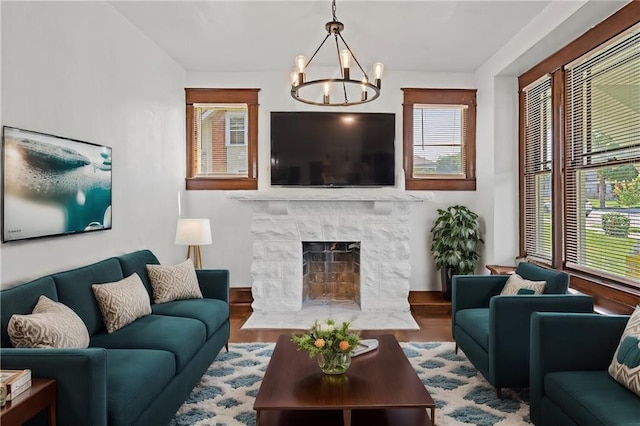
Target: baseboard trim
point(431, 302)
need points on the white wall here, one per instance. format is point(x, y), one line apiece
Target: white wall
point(231, 220)
point(80, 70)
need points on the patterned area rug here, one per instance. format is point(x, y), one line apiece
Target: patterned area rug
point(226, 392)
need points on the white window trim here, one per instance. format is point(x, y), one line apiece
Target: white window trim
point(227, 127)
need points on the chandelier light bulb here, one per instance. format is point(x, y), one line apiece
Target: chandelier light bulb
point(378, 69)
point(300, 63)
point(294, 78)
point(327, 88)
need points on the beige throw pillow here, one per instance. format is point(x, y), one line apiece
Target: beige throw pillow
point(122, 302)
point(174, 282)
point(625, 366)
point(50, 325)
point(516, 282)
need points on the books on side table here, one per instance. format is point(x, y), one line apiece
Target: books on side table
point(13, 383)
point(366, 345)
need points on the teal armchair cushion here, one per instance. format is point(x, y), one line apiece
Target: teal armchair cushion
point(475, 322)
point(74, 290)
point(134, 378)
point(181, 336)
point(592, 398)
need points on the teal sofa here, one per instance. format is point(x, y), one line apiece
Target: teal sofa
point(138, 375)
point(493, 330)
point(570, 384)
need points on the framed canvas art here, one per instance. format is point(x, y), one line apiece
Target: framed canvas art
point(53, 185)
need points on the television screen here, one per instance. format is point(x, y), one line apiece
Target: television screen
point(53, 185)
point(332, 149)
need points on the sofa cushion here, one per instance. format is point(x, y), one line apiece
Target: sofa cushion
point(516, 283)
point(174, 282)
point(134, 378)
point(625, 366)
point(181, 336)
point(74, 290)
point(592, 398)
point(557, 281)
point(21, 300)
point(476, 323)
point(137, 262)
point(50, 325)
point(212, 312)
point(122, 302)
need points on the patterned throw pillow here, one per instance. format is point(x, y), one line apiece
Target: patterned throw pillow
point(516, 282)
point(50, 325)
point(625, 366)
point(122, 302)
point(174, 282)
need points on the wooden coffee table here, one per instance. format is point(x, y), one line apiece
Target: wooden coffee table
point(379, 388)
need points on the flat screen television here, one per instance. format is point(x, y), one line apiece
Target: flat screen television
point(53, 185)
point(332, 149)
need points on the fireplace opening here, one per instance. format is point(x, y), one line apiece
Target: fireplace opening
point(331, 272)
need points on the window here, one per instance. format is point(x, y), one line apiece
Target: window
point(439, 139)
point(222, 135)
point(580, 158)
point(602, 188)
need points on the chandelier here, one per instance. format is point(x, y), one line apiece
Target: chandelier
point(343, 91)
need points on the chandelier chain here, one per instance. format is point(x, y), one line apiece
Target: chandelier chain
point(333, 9)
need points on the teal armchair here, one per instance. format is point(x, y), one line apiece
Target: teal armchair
point(493, 331)
point(570, 384)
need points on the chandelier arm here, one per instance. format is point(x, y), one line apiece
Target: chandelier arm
point(354, 57)
point(316, 52)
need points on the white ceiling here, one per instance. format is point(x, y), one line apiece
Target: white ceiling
point(450, 36)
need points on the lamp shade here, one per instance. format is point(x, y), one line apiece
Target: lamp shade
point(193, 232)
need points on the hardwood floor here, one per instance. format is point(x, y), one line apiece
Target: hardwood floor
point(434, 327)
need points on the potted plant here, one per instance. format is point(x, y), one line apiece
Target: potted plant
point(456, 234)
point(332, 345)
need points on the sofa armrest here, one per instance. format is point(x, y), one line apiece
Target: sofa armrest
point(570, 342)
point(509, 330)
point(80, 375)
point(473, 291)
point(214, 283)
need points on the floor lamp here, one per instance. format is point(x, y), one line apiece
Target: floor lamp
point(193, 233)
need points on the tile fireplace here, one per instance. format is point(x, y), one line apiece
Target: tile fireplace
point(375, 226)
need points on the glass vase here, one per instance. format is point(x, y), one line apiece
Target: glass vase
point(334, 362)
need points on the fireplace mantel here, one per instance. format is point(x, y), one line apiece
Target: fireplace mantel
point(377, 219)
point(382, 200)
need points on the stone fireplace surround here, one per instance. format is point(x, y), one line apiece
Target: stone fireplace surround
point(283, 219)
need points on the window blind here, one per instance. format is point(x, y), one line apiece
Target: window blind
point(439, 134)
point(602, 189)
point(537, 170)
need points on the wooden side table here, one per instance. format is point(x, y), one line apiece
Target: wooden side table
point(501, 270)
point(41, 395)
